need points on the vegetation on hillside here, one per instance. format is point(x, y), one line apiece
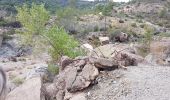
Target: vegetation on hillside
point(34, 21)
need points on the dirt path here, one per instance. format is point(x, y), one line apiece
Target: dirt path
point(137, 83)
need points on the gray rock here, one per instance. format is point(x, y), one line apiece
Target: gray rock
point(102, 62)
point(29, 90)
point(104, 40)
point(65, 61)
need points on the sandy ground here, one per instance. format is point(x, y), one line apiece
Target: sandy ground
point(141, 82)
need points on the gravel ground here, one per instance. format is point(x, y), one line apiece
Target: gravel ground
point(141, 82)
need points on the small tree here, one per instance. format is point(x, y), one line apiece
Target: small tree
point(62, 43)
point(33, 19)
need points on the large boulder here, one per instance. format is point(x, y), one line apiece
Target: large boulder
point(119, 54)
point(103, 62)
point(121, 37)
point(30, 90)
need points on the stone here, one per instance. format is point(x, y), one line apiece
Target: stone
point(104, 40)
point(112, 55)
point(29, 90)
point(121, 37)
point(50, 91)
point(65, 61)
point(88, 48)
point(89, 72)
point(102, 62)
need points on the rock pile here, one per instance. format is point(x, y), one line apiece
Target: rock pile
point(79, 73)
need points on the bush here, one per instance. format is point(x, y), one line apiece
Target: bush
point(33, 19)
point(133, 25)
point(53, 69)
point(148, 35)
point(105, 9)
point(142, 25)
point(162, 13)
point(62, 43)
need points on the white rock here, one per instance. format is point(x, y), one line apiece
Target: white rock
point(104, 40)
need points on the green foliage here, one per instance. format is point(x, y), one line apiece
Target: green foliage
point(18, 81)
point(163, 13)
point(133, 24)
point(33, 20)
point(67, 13)
point(105, 9)
point(3, 22)
point(53, 69)
point(62, 43)
point(148, 34)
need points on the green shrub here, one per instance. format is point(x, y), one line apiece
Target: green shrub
point(162, 13)
point(33, 19)
point(96, 28)
point(142, 26)
point(133, 24)
point(18, 81)
point(105, 9)
point(148, 35)
point(62, 43)
point(53, 69)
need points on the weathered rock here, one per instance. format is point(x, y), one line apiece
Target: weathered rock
point(50, 91)
point(30, 90)
point(115, 55)
point(64, 62)
point(121, 37)
point(70, 78)
point(87, 47)
point(103, 62)
point(104, 40)
point(83, 79)
point(89, 72)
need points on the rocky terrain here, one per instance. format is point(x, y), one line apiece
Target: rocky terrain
point(127, 57)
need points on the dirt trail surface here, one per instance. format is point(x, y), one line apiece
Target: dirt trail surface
point(143, 82)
